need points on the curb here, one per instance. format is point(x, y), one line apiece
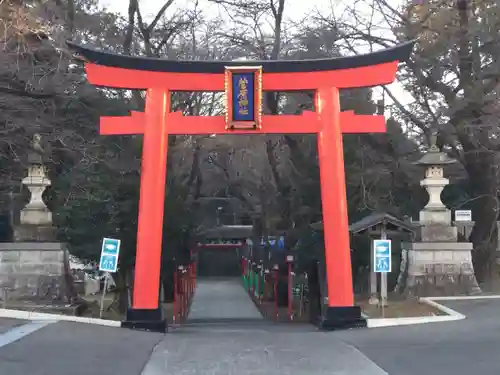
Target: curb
point(29, 315)
point(452, 315)
point(463, 298)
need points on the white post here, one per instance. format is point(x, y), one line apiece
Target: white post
point(383, 276)
point(373, 277)
point(101, 312)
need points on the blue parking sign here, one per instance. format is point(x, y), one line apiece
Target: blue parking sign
point(382, 256)
point(109, 255)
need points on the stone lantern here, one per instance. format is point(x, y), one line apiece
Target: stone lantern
point(35, 219)
point(37, 181)
point(434, 161)
point(436, 263)
point(34, 269)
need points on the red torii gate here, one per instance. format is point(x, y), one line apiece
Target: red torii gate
point(161, 77)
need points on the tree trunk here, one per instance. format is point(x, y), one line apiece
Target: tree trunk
point(482, 179)
point(123, 289)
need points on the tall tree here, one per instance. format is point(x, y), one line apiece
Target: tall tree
point(453, 81)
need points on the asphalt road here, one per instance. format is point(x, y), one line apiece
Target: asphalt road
point(7, 324)
point(229, 346)
point(78, 349)
point(464, 347)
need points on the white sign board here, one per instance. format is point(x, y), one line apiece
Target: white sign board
point(109, 255)
point(463, 215)
point(382, 256)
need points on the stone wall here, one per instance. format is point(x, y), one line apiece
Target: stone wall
point(437, 269)
point(34, 271)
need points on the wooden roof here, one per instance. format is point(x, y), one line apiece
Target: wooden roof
point(227, 232)
point(397, 53)
point(372, 220)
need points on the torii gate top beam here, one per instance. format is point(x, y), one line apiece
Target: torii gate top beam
point(129, 72)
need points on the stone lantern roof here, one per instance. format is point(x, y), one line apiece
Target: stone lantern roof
point(434, 156)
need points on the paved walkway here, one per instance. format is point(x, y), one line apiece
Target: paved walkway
point(246, 343)
point(257, 352)
point(222, 300)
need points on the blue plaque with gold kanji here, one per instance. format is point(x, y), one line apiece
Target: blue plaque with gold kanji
point(243, 97)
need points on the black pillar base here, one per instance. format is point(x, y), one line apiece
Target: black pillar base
point(145, 320)
point(345, 317)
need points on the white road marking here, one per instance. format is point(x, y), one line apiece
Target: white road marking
point(18, 333)
point(29, 315)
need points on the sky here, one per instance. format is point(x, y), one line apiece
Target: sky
point(294, 10)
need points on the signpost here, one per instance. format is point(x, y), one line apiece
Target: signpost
point(382, 256)
point(109, 263)
point(382, 264)
point(463, 215)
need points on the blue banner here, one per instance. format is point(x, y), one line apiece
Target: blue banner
point(274, 243)
point(243, 97)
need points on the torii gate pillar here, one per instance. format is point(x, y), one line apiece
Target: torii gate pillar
point(335, 221)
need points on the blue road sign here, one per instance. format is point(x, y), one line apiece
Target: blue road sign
point(108, 263)
point(382, 256)
point(110, 246)
point(109, 255)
